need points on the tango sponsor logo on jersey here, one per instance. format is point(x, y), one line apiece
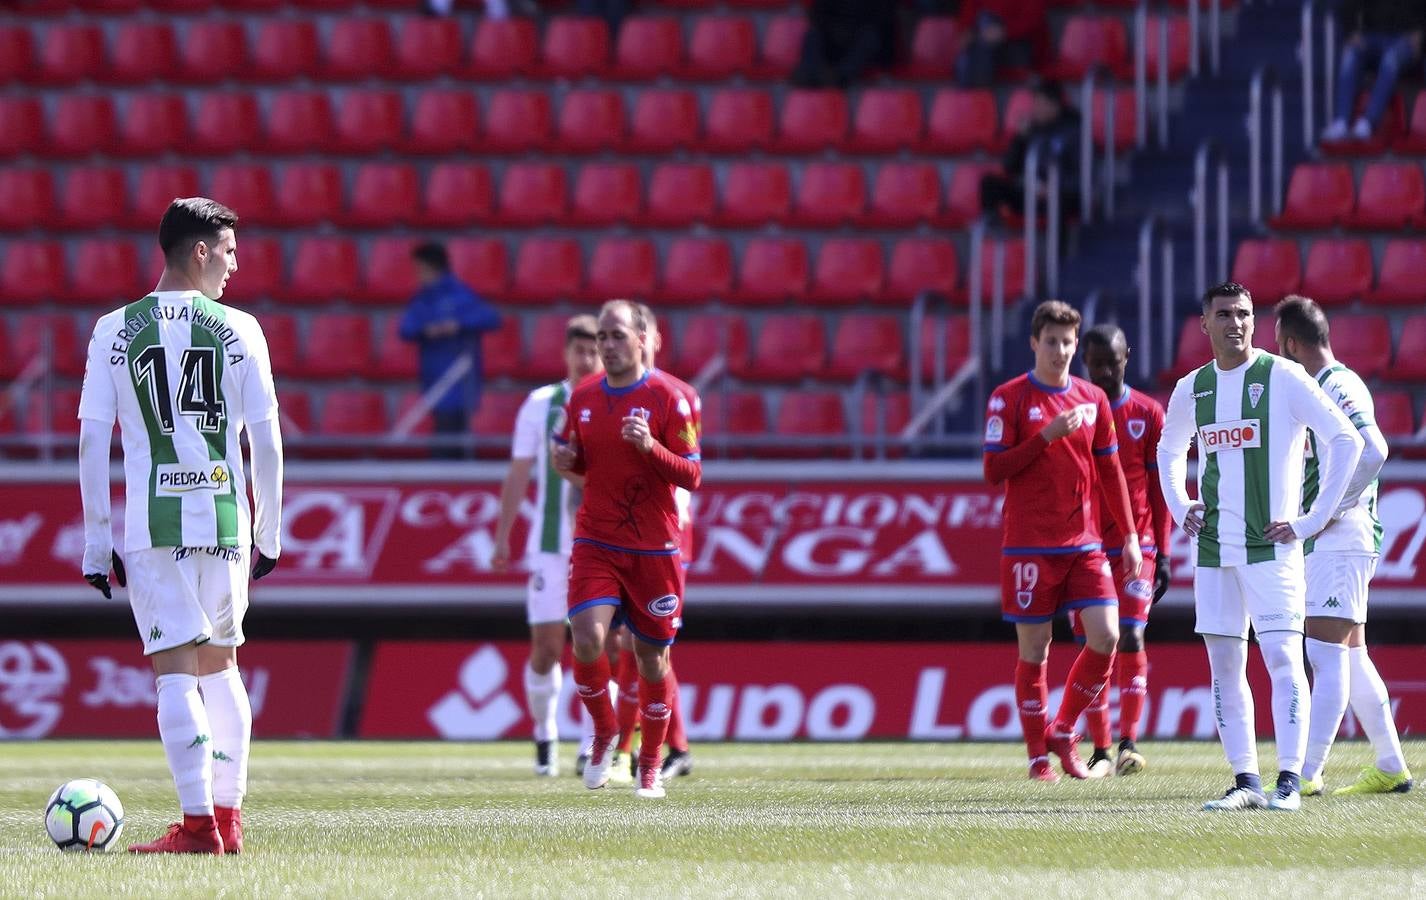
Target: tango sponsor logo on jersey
point(1241, 434)
point(1136, 428)
point(175, 478)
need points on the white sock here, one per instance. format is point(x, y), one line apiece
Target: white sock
point(1372, 707)
point(187, 741)
point(1292, 699)
point(541, 692)
point(231, 716)
point(1330, 674)
point(1233, 701)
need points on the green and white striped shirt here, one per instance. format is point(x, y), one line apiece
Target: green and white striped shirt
point(541, 416)
point(1357, 529)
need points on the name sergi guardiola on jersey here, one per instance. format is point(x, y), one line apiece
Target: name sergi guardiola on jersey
point(136, 323)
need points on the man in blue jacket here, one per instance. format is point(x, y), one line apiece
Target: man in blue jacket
point(447, 319)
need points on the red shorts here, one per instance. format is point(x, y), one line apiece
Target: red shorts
point(646, 587)
point(1033, 588)
point(1135, 597)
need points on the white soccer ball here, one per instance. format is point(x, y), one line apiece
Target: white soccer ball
point(84, 814)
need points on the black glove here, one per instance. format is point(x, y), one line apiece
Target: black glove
point(101, 582)
point(1161, 577)
point(263, 566)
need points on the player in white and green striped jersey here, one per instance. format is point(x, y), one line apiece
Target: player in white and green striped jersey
point(1340, 563)
point(547, 546)
point(185, 375)
point(1250, 412)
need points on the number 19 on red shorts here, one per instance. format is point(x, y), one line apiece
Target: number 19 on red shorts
point(1035, 588)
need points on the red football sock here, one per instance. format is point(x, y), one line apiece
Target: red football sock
point(676, 737)
point(1085, 683)
point(591, 679)
point(1133, 688)
point(1032, 695)
point(1098, 715)
point(653, 719)
point(628, 699)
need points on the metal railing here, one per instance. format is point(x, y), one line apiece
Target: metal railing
point(1086, 148)
point(1054, 216)
point(1209, 153)
point(1265, 78)
point(1153, 358)
point(1142, 37)
point(997, 291)
point(1307, 51)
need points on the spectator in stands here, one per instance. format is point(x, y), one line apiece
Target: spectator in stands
point(1056, 124)
point(446, 318)
point(844, 39)
point(1384, 32)
point(611, 11)
point(998, 35)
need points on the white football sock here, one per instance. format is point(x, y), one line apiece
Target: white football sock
point(1292, 699)
point(541, 692)
point(1233, 701)
point(231, 716)
point(1330, 674)
point(187, 741)
point(1372, 707)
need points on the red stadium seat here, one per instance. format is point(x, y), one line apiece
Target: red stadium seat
point(1180, 49)
point(104, 271)
point(309, 193)
point(732, 414)
point(963, 196)
point(664, 121)
point(533, 194)
point(961, 122)
point(811, 120)
point(260, 269)
point(34, 273)
point(955, 339)
point(904, 194)
point(211, 52)
point(1014, 268)
point(1337, 270)
point(811, 414)
point(1319, 195)
point(622, 267)
point(369, 121)
point(224, 124)
point(389, 273)
point(284, 345)
point(496, 417)
point(67, 354)
point(69, 54)
point(356, 49)
point(830, 194)
point(867, 343)
point(298, 122)
point(933, 49)
point(1125, 121)
point(396, 360)
point(648, 47)
point(444, 122)
point(17, 53)
point(295, 415)
point(781, 47)
point(353, 413)
point(681, 194)
point(1393, 195)
point(738, 120)
point(922, 264)
point(81, 124)
point(427, 48)
point(1410, 364)
point(158, 187)
point(338, 345)
point(1270, 268)
point(1402, 277)
point(720, 47)
point(885, 415)
point(245, 187)
point(504, 48)
point(754, 193)
point(285, 49)
point(547, 269)
point(1363, 342)
point(887, 120)
point(458, 194)
point(590, 121)
point(575, 47)
point(324, 270)
point(708, 335)
point(607, 194)
point(480, 263)
point(547, 338)
point(383, 195)
point(696, 271)
point(848, 270)
point(504, 349)
point(1088, 42)
point(27, 198)
point(517, 121)
point(22, 125)
point(62, 405)
point(1394, 415)
point(1414, 139)
point(789, 347)
point(1194, 350)
point(93, 196)
point(142, 52)
point(153, 124)
point(1019, 108)
point(773, 271)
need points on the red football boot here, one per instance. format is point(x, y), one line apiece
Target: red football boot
point(230, 826)
point(195, 834)
point(1065, 747)
point(1040, 771)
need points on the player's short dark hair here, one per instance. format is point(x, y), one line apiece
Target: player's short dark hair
point(1226, 289)
point(581, 327)
point(1105, 334)
point(636, 315)
point(1301, 318)
point(1053, 312)
point(433, 254)
point(189, 220)
point(1051, 90)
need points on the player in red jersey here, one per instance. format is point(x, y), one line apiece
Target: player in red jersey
point(1138, 421)
point(632, 435)
point(1050, 438)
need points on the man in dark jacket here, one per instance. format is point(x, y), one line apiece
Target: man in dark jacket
point(1056, 124)
point(447, 319)
point(1384, 32)
point(844, 39)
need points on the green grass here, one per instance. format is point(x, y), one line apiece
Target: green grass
point(443, 820)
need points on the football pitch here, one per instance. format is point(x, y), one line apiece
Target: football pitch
point(889, 820)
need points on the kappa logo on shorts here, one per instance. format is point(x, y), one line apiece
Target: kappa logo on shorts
point(1139, 589)
point(1136, 428)
point(1332, 603)
point(664, 606)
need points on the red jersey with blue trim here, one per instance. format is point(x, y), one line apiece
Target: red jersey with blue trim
point(1138, 421)
point(1050, 504)
point(627, 505)
point(685, 498)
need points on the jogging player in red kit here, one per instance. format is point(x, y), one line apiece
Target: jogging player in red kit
point(632, 435)
point(1050, 438)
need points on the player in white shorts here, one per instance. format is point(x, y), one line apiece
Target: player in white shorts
point(1250, 412)
point(184, 376)
point(1341, 560)
point(547, 547)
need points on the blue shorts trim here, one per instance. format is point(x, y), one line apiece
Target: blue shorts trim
point(1107, 451)
point(1137, 623)
point(696, 457)
point(1027, 620)
point(1119, 551)
point(1049, 551)
point(618, 549)
point(559, 440)
point(597, 601)
point(657, 642)
point(995, 448)
point(1091, 601)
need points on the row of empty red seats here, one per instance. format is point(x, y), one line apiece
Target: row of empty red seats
point(715, 48)
point(769, 271)
point(43, 8)
point(1320, 195)
point(450, 121)
point(1336, 270)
